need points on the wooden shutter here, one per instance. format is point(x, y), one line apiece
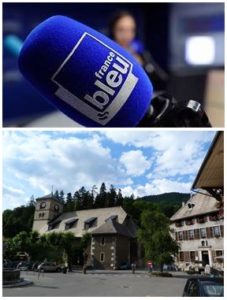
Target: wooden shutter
point(222, 230)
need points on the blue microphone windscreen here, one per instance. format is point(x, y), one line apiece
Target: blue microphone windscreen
point(85, 74)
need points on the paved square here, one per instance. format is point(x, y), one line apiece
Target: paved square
point(98, 283)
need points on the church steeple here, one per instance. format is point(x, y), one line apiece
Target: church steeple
point(47, 208)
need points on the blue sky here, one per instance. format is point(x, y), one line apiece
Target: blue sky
point(139, 162)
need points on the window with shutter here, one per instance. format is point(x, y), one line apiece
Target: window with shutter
point(203, 233)
point(180, 235)
point(191, 234)
point(222, 230)
point(181, 256)
point(216, 231)
point(192, 256)
point(187, 256)
point(186, 235)
point(197, 234)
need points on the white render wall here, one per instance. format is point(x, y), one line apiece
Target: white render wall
point(211, 244)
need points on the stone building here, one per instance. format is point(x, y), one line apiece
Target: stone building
point(113, 232)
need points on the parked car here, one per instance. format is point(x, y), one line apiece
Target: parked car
point(170, 267)
point(125, 266)
point(204, 287)
point(24, 266)
point(49, 267)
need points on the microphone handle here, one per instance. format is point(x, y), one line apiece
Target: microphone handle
point(165, 111)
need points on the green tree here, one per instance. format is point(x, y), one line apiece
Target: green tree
point(62, 197)
point(69, 203)
point(64, 243)
point(119, 201)
point(154, 235)
point(87, 200)
point(29, 242)
point(111, 196)
point(68, 245)
point(79, 197)
point(85, 245)
point(17, 220)
point(101, 198)
point(56, 194)
point(32, 201)
point(129, 205)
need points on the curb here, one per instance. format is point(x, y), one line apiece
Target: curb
point(19, 284)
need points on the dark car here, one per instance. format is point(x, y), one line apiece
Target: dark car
point(204, 287)
point(125, 266)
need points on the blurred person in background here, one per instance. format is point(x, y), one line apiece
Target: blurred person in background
point(123, 30)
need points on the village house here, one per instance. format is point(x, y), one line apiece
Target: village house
point(198, 227)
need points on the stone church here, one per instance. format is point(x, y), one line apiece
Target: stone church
point(113, 231)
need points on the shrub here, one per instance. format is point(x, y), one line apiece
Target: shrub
point(162, 274)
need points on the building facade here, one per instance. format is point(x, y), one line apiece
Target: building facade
point(113, 232)
point(198, 227)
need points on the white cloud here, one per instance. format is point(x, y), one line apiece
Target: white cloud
point(159, 140)
point(135, 162)
point(13, 191)
point(156, 187)
point(174, 153)
point(41, 160)
point(14, 197)
point(140, 162)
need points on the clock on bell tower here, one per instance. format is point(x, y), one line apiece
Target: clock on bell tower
point(47, 208)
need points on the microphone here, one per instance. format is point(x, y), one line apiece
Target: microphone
point(97, 83)
point(86, 75)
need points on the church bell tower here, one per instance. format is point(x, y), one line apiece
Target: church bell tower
point(47, 208)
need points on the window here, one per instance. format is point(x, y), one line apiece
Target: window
point(102, 257)
point(112, 218)
point(91, 222)
point(203, 233)
point(181, 256)
point(180, 235)
point(189, 222)
point(179, 224)
point(71, 223)
point(41, 215)
point(213, 217)
point(192, 256)
point(191, 234)
point(216, 231)
point(194, 54)
point(42, 205)
point(201, 220)
point(219, 253)
point(54, 224)
point(194, 289)
point(103, 241)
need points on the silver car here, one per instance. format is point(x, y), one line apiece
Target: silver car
point(49, 267)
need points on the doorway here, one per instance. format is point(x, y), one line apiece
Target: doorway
point(205, 258)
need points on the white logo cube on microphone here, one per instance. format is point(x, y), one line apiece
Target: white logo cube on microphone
point(105, 79)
